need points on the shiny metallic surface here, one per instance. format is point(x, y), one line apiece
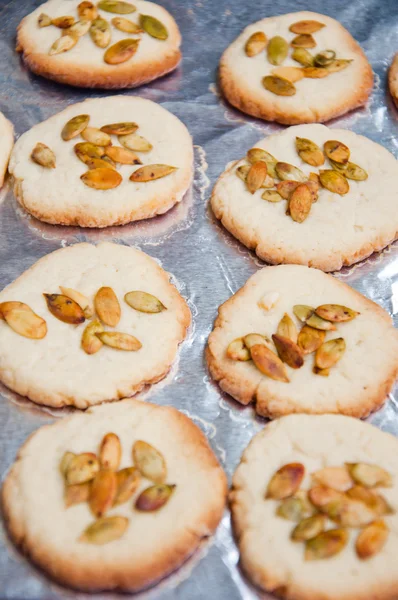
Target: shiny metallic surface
point(207, 264)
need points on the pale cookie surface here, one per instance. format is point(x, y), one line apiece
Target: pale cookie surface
point(268, 556)
point(356, 385)
point(55, 370)
point(59, 196)
point(6, 144)
point(155, 543)
point(315, 100)
point(339, 230)
point(393, 79)
point(83, 65)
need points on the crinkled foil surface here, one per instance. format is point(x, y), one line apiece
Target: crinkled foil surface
point(207, 264)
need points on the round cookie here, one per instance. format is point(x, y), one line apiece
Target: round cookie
point(393, 79)
point(356, 385)
point(268, 555)
point(55, 370)
point(338, 230)
point(154, 543)
point(86, 64)
point(7, 142)
point(311, 99)
point(59, 195)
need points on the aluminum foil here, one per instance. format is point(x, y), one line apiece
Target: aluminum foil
point(207, 264)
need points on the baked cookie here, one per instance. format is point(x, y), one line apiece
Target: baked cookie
point(102, 44)
point(348, 212)
point(393, 79)
point(7, 142)
point(102, 162)
point(294, 339)
point(302, 67)
point(87, 324)
point(130, 492)
point(324, 525)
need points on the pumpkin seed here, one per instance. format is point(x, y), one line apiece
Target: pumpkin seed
point(268, 182)
point(74, 127)
point(135, 142)
point(338, 65)
point(149, 461)
point(63, 44)
point(75, 494)
point(96, 136)
point(277, 50)
point(144, 302)
point(322, 496)
point(128, 481)
point(334, 182)
point(287, 172)
point(116, 6)
point(110, 452)
point(314, 177)
point(336, 478)
point(126, 25)
point(326, 544)
point(86, 151)
point(81, 468)
point(285, 482)
point(278, 86)
point(87, 11)
point(120, 128)
point(122, 155)
point(119, 341)
point(151, 172)
point(99, 163)
point(107, 306)
point(105, 530)
point(253, 339)
point(302, 56)
point(287, 328)
point(318, 323)
point(153, 27)
point(242, 172)
point(315, 72)
point(103, 178)
point(323, 372)
point(336, 313)
point(44, 20)
point(300, 203)
point(286, 188)
point(306, 26)
point(77, 297)
point(288, 351)
point(100, 32)
point(256, 154)
point(256, 43)
point(63, 22)
point(121, 51)
point(65, 461)
point(271, 196)
point(325, 58)
point(238, 351)
point(309, 152)
point(79, 29)
point(65, 309)
point(90, 342)
point(314, 189)
point(310, 339)
point(256, 176)
point(350, 170)
point(21, 318)
point(154, 497)
point(330, 353)
point(303, 312)
point(369, 475)
point(376, 502)
point(303, 40)
point(43, 156)
point(349, 513)
point(292, 74)
point(102, 492)
point(291, 509)
point(371, 539)
point(337, 151)
point(309, 528)
point(268, 363)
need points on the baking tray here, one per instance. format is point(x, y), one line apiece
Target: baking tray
point(207, 264)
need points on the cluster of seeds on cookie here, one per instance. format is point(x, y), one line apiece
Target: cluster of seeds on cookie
point(101, 156)
point(294, 186)
point(340, 498)
point(100, 30)
point(74, 308)
point(282, 80)
point(97, 480)
point(292, 345)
